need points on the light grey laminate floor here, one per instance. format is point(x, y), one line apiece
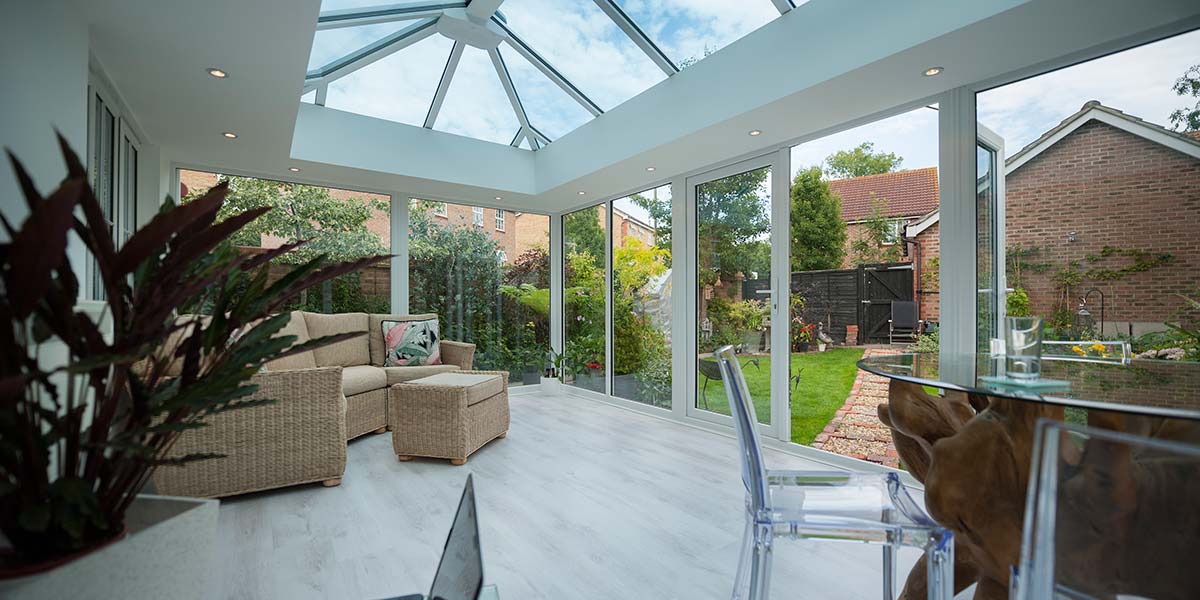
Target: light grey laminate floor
point(582, 500)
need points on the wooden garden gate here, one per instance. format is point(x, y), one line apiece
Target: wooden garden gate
point(878, 286)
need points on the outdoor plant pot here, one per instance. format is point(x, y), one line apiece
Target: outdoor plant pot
point(551, 385)
point(802, 346)
point(530, 377)
point(168, 551)
point(821, 347)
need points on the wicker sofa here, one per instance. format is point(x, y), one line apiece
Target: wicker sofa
point(323, 398)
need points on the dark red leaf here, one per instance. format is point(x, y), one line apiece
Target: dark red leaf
point(155, 235)
point(40, 247)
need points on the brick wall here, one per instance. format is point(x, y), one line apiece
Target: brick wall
point(926, 277)
point(1111, 188)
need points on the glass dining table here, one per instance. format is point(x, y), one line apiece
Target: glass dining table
point(1155, 388)
point(967, 432)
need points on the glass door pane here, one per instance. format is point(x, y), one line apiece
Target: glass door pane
point(641, 297)
point(584, 282)
point(733, 294)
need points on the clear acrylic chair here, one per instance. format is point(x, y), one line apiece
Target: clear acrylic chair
point(1110, 515)
point(825, 506)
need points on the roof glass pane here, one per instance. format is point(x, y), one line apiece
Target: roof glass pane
point(398, 88)
point(476, 105)
point(582, 43)
point(550, 109)
point(332, 44)
point(687, 30)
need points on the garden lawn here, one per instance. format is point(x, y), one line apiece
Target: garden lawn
point(825, 382)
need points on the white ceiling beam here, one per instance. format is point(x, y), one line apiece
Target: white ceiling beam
point(372, 52)
point(516, 141)
point(444, 84)
point(639, 37)
point(384, 13)
point(538, 136)
point(547, 69)
point(784, 6)
point(509, 88)
point(483, 10)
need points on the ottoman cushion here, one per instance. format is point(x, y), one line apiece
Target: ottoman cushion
point(478, 387)
point(403, 374)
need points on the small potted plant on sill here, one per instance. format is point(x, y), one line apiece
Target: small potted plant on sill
point(89, 410)
point(552, 375)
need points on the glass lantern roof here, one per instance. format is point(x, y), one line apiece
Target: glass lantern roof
point(518, 72)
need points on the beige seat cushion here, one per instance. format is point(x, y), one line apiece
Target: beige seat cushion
point(362, 378)
point(375, 332)
point(347, 353)
point(479, 387)
point(304, 360)
point(400, 374)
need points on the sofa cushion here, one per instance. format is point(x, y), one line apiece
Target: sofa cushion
point(362, 378)
point(411, 343)
point(401, 374)
point(347, 353)
point(375, 332)
point(305, 360)
point(167, 350)
point(478, 386)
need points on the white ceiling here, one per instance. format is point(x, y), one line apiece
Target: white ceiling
point(824, 65)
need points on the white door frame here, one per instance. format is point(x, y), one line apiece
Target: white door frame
point(685, 230)
point(992, 142)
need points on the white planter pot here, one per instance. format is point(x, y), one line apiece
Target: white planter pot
point(821, 347)
point(167, 553)
point(551, 385)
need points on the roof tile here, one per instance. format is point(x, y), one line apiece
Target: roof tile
point(906, 193)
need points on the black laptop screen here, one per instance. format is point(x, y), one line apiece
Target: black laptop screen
point(460, 573)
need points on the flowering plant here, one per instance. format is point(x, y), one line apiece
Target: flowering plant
point(1094, 350)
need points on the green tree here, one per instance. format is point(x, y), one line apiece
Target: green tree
point(876, 244)
point(859, 161)
point(733, 220)
point(336, 228)
point(1188, 86)
point(818, 231)
point(583, 234)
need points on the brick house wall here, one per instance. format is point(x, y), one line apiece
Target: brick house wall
point(1112, 188)
point(532, 231)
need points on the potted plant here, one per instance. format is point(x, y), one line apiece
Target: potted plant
point(552, 375)
point(87, 412)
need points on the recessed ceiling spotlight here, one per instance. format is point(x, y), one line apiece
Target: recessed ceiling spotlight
point(294, 169)
point(755, 133)
point(581, 192)
point(229, 134)
point(931, 71)
point(499, 198)
point(218, 73)
point(649, 168)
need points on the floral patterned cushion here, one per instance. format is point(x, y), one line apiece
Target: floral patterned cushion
point(411, 343)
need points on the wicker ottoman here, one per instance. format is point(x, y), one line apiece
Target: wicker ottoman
point(448, 415)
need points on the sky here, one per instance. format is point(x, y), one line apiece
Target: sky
point(1137, 81)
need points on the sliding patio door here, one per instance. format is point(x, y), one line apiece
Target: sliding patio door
point(734, 287)
point(990, 253)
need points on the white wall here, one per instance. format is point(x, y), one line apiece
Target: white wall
point(44, 59)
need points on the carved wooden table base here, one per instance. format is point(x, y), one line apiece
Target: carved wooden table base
point(973, 453)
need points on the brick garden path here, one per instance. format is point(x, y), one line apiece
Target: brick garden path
point(855, 429)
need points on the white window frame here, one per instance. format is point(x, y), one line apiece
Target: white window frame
point(477, 216)
point(502, 256)
point(125, 148)
point(499, 220)
point(439, 209)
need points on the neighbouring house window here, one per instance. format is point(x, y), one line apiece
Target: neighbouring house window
point(439, 209)
point(477, 215)
point(499, 220)
point(894, 232)
point(502, 256)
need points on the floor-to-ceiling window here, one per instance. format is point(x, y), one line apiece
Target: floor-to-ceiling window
point(641, 297)
point(488, 280)
point(1100, 201)
point(863, 279)
point(733, 246)
point(585, 281)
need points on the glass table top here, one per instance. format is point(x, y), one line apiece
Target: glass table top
point(1149, 387)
